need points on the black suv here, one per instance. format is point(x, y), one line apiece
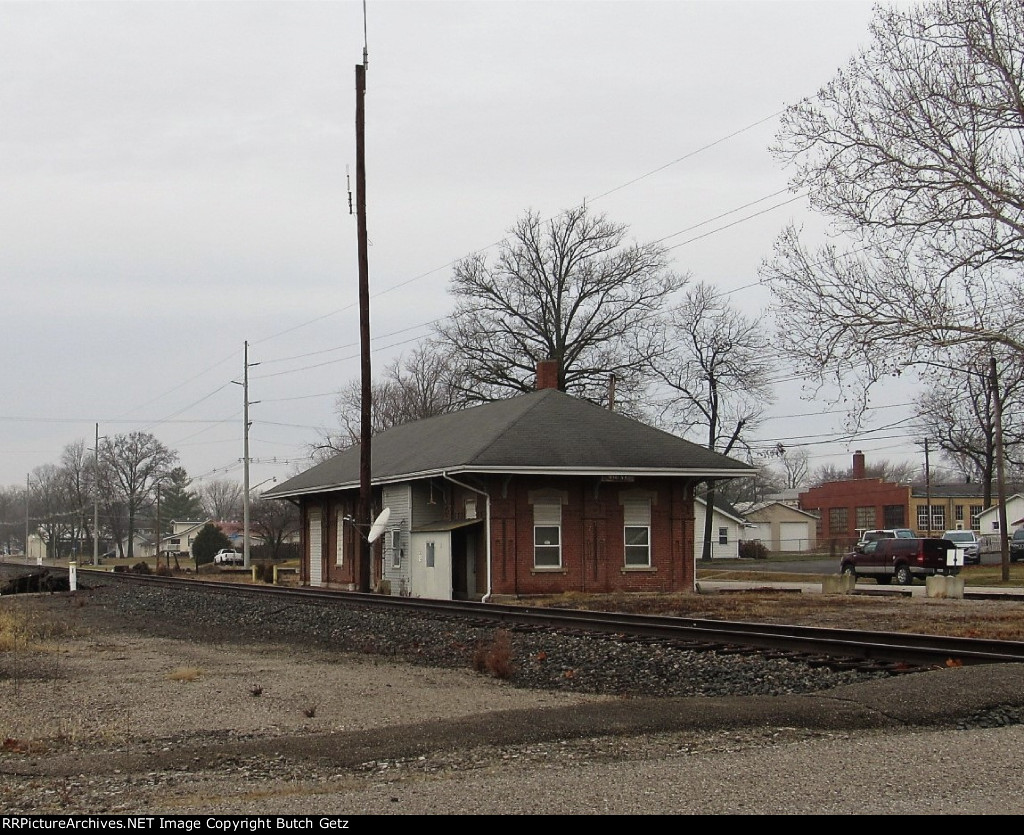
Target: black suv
point(1017, 545)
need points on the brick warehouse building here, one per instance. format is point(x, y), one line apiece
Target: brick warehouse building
point(845, 508)
point(538, 494)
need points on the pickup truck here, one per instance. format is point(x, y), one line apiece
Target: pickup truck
point(903, 560)
point(228, 556)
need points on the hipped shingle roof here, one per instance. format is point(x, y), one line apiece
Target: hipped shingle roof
point(543, 431)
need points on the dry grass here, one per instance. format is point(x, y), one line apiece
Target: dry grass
point(495, 656)
point(185, 674)
point(21, 631)
point(991, 619)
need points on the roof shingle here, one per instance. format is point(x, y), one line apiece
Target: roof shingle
point(541, 431)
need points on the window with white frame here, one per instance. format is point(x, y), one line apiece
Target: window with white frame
point(395, 541)
point(547, 535)
point(938, 517)
point(636, 517)
point(975, 513)
point(430, 554)
point(723, 536)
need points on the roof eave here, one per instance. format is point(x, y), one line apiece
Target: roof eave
point(697, 473)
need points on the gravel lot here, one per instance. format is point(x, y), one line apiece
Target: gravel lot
point(157, 702)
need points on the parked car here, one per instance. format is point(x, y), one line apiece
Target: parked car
point(228, 556)
point(967, 543)
point(902, 559)
point(884, 533)
point(1017, 545)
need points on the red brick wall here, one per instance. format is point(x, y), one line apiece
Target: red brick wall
point(593, 550)
point(851, 494)
point(592, 538)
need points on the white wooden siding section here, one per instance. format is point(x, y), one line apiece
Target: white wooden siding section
point(316, 549)
point(399, 499)
point(734, 531)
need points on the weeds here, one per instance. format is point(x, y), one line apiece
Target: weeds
point(495, 656)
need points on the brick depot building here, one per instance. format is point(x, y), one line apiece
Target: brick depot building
point(538, 494)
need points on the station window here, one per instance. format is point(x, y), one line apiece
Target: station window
point(636, 531)
point(547, 535)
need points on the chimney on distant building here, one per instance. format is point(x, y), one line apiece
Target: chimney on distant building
point(547, 374)
point(858, 464)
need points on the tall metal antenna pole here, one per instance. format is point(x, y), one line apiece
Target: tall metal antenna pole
point(363, 510)
point(245, 469)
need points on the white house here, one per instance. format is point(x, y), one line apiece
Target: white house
point(727, 529)
point(989, 519)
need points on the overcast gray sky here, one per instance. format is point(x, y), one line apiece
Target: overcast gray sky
point(174, 184)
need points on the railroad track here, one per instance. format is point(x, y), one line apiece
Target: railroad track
point(892, 651)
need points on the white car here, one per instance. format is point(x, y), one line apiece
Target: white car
point(967, 543)
point(228, 556)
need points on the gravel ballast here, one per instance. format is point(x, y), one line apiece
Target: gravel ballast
point(306, 709)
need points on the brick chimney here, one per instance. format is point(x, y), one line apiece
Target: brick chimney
point(858, 464)
point(547, 374)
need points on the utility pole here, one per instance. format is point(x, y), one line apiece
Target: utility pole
point(25, 549)
point(1004, 545)
point(96, 499)
point(928, 486)
point(245, 452)
point(365, 430)
point(158, 529)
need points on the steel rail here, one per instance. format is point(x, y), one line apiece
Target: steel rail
point(895, 648)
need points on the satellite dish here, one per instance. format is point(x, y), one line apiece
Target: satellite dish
point(377, 528)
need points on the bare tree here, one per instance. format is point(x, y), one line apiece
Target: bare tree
point(276, 521)
point(738, 491)
point(12, 518)
point(572, 289)
point(896, 472)
point(132, 464)
point(76, 463)
point(795, 464)
point(713, 371)
point(221, 499)
point(424, 383)
point(53, 512)
point(959, 414)
point(915, 148)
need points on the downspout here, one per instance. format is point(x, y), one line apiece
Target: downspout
point(487, 527)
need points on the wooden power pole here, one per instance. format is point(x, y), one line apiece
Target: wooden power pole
point(1004, 546)
point(365, 431)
